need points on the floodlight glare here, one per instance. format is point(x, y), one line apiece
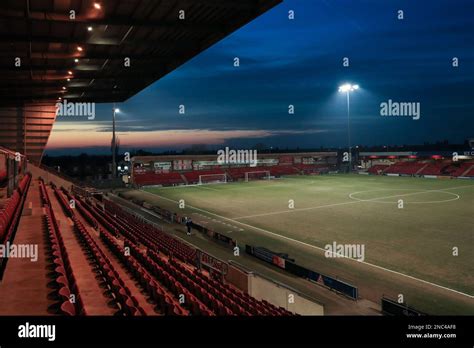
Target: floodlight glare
point(348, 88)
point(345, 88)
point(117, 110)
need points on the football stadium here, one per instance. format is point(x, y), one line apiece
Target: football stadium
point(140, 176)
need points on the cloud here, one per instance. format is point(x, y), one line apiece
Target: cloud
point(86, 137)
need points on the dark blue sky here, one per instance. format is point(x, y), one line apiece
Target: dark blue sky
point(299, 62)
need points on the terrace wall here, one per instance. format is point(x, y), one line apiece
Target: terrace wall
point(277, 294)
point(263, 288)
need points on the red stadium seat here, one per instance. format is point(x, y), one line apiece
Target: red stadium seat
point(67, 308)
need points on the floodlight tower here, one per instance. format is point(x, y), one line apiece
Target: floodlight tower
point(348, 88)
point(114, 145)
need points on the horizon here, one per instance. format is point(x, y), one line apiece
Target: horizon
point(442, 145)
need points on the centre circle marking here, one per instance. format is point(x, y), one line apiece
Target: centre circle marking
point(455, 196)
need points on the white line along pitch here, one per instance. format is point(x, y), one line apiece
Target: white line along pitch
point(321, 249)
point(349, 202)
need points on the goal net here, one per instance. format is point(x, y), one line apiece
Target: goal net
point(261, 174)
point(212, 178)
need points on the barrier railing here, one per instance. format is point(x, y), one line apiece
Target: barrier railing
point(291, 267)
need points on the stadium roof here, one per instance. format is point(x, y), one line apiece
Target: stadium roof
point(148, 32)
point(43, 44)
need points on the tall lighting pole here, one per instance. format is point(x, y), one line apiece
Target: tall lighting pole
point(348, 88)
point(114, 144)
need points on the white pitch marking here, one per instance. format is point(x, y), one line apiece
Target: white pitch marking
point(345, 203)
point(207, 188)
point(456, 196)
point(321, 249)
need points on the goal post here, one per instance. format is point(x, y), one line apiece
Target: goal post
point(212, 178)
point(260, 174)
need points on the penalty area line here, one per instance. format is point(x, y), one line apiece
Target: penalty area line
point(318, 248)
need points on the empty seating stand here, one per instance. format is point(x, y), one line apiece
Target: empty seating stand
point(312, 168)
point(470, 173)
point(152, 178)
point(405, 168)
point(163, 298)
point(378, 169)
point(120, 294)
point(283, 170)
point(11, 210)
point(437, 168)
point(149, 178)
point(458, 169)
point(10, 215)
point(63, 275)
point(147, 234)
point(167, 279)
point(434, 168)
point(126, 303)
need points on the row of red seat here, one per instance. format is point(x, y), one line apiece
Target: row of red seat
point(162, 296)
point(163, 293)
point(147, 234)
point(233, 300)
point(283, 170)
point(311, 168)
point(205, 296)
point(82, 210)
point(167, 281)
point(377, 168)
point(434, 168)
point(226, 299)
point(171, 178)
point(67, 292)
point(233, 173)
point(470, 173)
point(11, 210)
point(121, 295)
point(43, 193)
point(237, 300)
point(66, 285)
point(202, 302)
point(407, 168)
point(24, 184)
point(423, 168)
point(457, 170)
point(63, 202)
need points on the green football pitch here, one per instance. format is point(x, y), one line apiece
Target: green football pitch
point(417, 233)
